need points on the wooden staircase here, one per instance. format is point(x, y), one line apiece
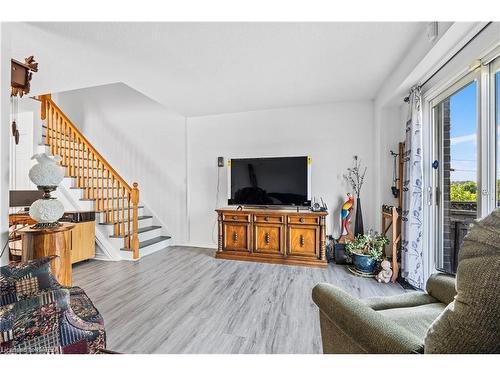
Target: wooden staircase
point(112, 196)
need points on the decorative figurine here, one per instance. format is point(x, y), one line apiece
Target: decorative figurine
point(345, 217)
point(384, 276)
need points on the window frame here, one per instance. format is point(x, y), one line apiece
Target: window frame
point(494, 144)
point(487, 143)
point(436, 176)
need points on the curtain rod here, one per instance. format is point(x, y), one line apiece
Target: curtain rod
point(407, 98)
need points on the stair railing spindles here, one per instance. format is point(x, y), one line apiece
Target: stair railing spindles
point(60, 151)
point(100, 183)
point(107, 195)
point(68, 144)
point(92, 176)
point(87, 161)
point(79, 179)
point(65, 143)
point(111, 193)
point(70, 153)
point(116, 213)
point(122, 192)
point(52, 135)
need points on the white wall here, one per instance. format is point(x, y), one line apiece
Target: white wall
point(331, 134)
point(4, 138)
point(391, 132)
point(142, 140)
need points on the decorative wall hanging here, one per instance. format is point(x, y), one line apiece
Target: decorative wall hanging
point(21, 74)
point(20, 77)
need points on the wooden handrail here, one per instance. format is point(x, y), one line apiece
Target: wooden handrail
point(83, 138)
point(111, 193)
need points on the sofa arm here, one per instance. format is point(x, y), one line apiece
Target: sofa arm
point(442, 287)
point(372, 331)
point(399, 301)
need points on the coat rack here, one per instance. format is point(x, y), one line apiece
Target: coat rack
point(391, 215)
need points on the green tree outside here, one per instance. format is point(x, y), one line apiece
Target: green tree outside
point(463, 191)
point(466, 191)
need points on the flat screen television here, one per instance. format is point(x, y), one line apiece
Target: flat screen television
point(276, 181)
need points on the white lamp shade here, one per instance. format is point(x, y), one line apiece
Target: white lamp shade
point(46, 172)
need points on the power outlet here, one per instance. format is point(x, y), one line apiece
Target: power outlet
point(220, 161)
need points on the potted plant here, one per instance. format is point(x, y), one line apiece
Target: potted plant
point(366, 250)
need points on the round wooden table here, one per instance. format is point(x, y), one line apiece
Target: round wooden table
point(38, 243)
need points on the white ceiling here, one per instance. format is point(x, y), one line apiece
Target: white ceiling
point(208, 68)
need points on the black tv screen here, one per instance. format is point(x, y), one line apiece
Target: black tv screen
point(281, 181)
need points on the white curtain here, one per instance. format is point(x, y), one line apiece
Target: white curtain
point(411, 248)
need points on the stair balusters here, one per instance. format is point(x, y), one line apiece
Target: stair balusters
point(112, 195)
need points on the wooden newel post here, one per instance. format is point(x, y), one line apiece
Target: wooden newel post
point(43, 101)
point(135, 204)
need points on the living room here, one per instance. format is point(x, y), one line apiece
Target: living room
point(255, 187)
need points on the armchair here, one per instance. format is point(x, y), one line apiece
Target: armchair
point(37, 315)
point(395, 324)
point(459, 315)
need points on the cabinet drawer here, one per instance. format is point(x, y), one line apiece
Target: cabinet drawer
point(236, 236)
point(303, 219)
point(269, 239)
point(269, 219)
point(303, 241)
point(245, 218)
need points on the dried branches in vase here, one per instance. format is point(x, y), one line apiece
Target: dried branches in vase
point(356, 177)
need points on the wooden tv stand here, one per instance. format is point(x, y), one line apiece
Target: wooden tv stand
point(272, 236)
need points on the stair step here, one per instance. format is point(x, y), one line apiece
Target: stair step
point(150, 242)
point(94, 199)
point(101, 188)
point(138, 218)
point(139, 231)
point(116, 209)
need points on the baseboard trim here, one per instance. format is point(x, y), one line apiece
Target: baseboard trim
point(198, 244)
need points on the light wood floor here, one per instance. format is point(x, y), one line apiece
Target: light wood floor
point(183, 300)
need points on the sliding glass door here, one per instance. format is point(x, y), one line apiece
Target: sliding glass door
point(456, 166)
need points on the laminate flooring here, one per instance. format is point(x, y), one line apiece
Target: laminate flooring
point(183, 300)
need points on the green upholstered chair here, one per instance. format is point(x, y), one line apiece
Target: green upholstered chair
point(459, 315)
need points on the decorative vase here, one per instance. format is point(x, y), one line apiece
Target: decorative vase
point(46, 175)
point(358, 225)
point(363, 263)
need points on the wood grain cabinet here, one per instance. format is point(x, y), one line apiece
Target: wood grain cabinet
point(83, 241)
point(269, 239)
point(272, 236)
point(236, 236)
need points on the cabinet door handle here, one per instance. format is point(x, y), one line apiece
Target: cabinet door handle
point(267, 238)
point(235, 237)
point(301, 219)
point(266, 218)
point(302, 241)
point(235, 217)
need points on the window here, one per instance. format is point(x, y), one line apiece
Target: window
point(456, 124)
point(462, 169)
